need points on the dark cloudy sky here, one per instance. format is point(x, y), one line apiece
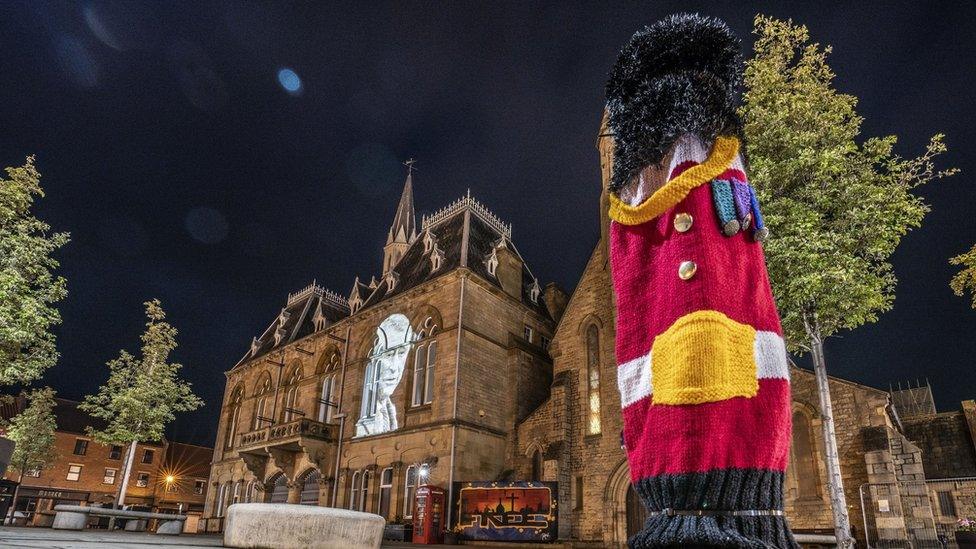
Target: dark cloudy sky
point(186, 171)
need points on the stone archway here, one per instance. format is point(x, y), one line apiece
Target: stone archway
point(615, 514)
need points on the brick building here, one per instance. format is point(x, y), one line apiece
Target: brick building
point(87, 472)
point(456, 365)
point(419, 375)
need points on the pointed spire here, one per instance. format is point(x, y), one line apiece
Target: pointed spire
point(404, 228)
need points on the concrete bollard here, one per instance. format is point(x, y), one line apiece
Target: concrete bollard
point(289, 526)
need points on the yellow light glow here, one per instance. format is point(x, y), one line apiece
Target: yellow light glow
point(170, 478)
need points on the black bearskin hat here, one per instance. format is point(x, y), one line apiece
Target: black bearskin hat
point(679, 75)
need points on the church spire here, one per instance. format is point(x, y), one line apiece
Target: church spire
point(404, 228)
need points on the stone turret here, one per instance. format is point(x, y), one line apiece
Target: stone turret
point(404, 229)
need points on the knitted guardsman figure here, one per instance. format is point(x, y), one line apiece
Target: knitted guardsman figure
point(702, 364)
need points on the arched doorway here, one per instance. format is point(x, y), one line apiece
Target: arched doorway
point(636, 512)
point(279, 489)
point(310, 488)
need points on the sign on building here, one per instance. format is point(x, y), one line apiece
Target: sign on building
point(506, 511)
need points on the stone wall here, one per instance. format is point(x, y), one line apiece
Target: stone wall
point(947, 442)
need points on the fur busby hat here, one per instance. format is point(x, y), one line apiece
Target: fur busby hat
point(679, 75)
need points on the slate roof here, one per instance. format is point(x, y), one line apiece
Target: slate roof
point(447, 227)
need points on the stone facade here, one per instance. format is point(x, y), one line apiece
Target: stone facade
point(525, 388)
point(299, 422)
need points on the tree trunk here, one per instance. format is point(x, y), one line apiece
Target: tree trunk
point(835, 483)
point(13, 502)
point(125, 475)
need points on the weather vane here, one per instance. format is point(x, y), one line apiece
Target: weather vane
point(409, 164)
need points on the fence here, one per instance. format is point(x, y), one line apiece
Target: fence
point(916, 514)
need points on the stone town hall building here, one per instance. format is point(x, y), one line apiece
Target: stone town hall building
point(455, 364)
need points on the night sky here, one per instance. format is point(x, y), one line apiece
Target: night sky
point(185, 168)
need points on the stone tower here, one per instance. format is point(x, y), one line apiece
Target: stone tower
point(404, 228)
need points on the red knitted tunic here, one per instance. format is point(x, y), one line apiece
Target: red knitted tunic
point(702, 368)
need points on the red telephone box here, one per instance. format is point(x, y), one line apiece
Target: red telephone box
point(428, 515)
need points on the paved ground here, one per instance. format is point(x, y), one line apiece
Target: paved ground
point(91, 539)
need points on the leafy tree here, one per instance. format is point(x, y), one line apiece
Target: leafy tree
point(836, 208)
point(32, 431)
point(143, 393)
point(966, 278)
point(28, 287)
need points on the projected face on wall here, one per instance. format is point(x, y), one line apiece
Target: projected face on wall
point(394, 337)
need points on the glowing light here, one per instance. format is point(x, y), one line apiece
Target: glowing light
point(424, 471)
point(290, 81)
point(170, 479)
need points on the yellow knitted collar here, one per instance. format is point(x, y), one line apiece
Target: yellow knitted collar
point(723, 153)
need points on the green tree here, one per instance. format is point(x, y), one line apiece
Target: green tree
point(142, 394)
point(28, 287)
point(32, 431)
point(836, 208)
point(965, 280)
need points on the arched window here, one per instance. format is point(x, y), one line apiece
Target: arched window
point(410, 490)
point(328, 395)
point(279, 489)
point(803, 458)
point(423, 364)
point(593, 380)
point(386, 491)
point(354, 492)
point(261, 392)
point(234, 417)
point(537, 465)
point(237, 492)
point(219, 500)
point(226, 501)
point(310, 488)
point(249, 492)
point(290, 410)
point(382, 375)
point(364, 491)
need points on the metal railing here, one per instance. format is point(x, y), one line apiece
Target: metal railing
point(917, 513)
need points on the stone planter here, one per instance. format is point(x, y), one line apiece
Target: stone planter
point(966, 540)
point(398, 532)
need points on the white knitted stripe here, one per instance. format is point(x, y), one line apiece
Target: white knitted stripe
point(634, 380)
point(634, 377)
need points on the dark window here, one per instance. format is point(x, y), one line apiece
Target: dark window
point(142, 480)
point(537, 465)
point(147, 456)
point(545, 342)
point(579, 493)
point(81, 446)
point(946, 504)
point(527, 333)
point(115, 452)
point(198, 486)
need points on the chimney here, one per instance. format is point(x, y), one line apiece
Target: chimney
point(556, 300)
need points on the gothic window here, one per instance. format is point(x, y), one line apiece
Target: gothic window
point(436, 258)
point(219, 501)
point(310, 488)
point(537, 465)
point(423, 364)
point(279, 490)
point(354, 492)
point(261, 403)
point(364, 491)
point(290, 410)
point(391, 280)
point(328, 397)
point(237, 492)
point(534, 291)
point(382, 375)
point(234, 416)
point(492, 262)
point(249, 492)
point(429, 241)
point(410, 490)
point(386, 491)
point(593, 379)
point(803, 459)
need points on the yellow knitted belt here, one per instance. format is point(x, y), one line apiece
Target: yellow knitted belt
point(674, 191)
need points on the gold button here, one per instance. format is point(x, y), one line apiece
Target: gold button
point(687, 270)
point(682, 222)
